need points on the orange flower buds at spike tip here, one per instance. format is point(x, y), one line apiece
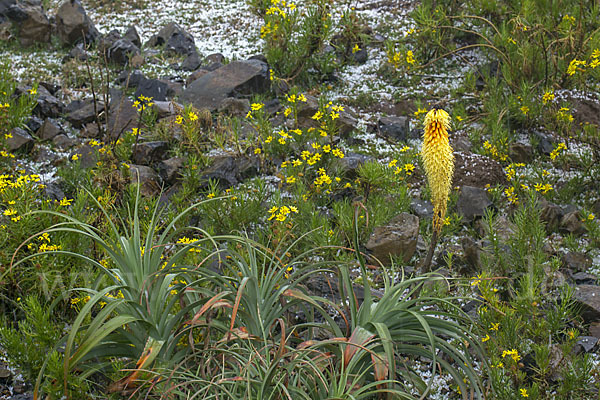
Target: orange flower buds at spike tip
point(438, 161)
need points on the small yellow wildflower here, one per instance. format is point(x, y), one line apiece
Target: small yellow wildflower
point(410, 58)
point(65, 202)
point(548, 97)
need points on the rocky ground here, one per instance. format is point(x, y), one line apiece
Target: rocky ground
point(208, 54)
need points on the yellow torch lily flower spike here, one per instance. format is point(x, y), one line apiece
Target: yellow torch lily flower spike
point(438, 161)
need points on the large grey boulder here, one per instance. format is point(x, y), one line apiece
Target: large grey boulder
point(35, 28)
point(239, 78)
point(396, 238)
point(73, 25)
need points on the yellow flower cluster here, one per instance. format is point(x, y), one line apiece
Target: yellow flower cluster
point(438, 161)
point(323, 178)
point(187, 241)
point(564, 115)
point(494, 152)
point(580, 65)
point(514, 354)
point(142, 102)
point(395, 58)
point(511, 171)
point(293, 98)
point(21, 181)
point(554, 153)
point(511, 195)
point(49, 247)
point(543, 188)
point(576, 65)
point(548, 97)
point(282, 213)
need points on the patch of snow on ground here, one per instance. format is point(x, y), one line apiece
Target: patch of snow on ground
point(228, 27)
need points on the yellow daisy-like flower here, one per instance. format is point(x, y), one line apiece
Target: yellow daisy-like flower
point(438, 161)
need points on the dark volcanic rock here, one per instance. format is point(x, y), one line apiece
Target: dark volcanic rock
point(350, 163)
point(34, 123)
point(82, 112)
point(73, 25)
point(545, 144)
point(121, 52)
point(148, 153)
point(132, 35)
point(86, 156)
point(472, 253)
point(191, 62)
point(153, 88)
point(421, 208)
point(395, 128)
point(35, 28)
point(48, 105)
point(53, 191)
point(472, 203)
point(122, 117)
point(19, 140)
point(168, 170)
point(239, 78)
point(571, 223)
point(235, 107)
point(107, 40)
point(473, 169)
point(175, 39)
point(520, 153)
point(146, 178)
point(49, 129)
point(576, 261)
point(585, 344)
point(229, 171)
point(396, 238)
point(130, 79)
point(166, 108)
point(361, 56)
point(550, 214)
point(64, 142)
point(588, 297)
